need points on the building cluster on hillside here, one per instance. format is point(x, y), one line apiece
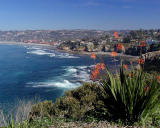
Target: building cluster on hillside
point(107, 43)
point(86, 40)
point(54, 43)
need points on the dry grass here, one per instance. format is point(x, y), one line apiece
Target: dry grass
point(19, 112)
point(2, 119)
point(22, 111)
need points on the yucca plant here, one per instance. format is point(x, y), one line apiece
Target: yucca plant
point(131, 97)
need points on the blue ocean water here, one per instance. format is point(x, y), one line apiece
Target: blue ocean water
point(27, 71)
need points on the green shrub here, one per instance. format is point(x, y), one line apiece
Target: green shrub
point(154, 119)
point(42, 109)
point(82, 103)
point(120, 97)
point(131, 99)
point(36, 123)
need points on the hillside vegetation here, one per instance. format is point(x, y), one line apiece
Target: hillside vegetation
point(122, 100)
point(129, 98)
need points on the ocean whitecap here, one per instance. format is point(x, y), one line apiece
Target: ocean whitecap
point(41, 52)
point(52, 83)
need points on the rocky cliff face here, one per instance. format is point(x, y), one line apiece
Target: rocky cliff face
point(135, 51)
point(152, 61)
point(90, 47)
point(154, 47)
point(95, 46)
point(152, 55)
point(80, 48)
point(107, 48)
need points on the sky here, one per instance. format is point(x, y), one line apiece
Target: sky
point(79, 14)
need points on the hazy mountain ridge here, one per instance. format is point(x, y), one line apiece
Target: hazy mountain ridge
point(50, 35)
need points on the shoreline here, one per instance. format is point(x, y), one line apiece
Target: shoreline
point(123, 56)
point(22, 43)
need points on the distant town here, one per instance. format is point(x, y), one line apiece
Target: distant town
point(88, 40)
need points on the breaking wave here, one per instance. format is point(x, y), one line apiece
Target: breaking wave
point(51, 53)
point(72, 78)
point(81, 73)
point(41, 52)
point(65, 84)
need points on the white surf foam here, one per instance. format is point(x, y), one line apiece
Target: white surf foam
point(72, 78)
point(80, 73)
point(66, 55)
point(33, 48)
point(65, 84)
point(41, 52)
point(72, 70)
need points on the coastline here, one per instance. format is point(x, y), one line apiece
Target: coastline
point(123, 56)
point(22, 43)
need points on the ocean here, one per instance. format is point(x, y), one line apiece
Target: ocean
point(29, 71)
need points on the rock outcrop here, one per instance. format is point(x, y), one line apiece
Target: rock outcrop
point(135, 51)
point(152, 61)
point(90, 47)
point(152, 55)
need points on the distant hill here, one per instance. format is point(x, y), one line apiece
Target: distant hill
point(50, 35)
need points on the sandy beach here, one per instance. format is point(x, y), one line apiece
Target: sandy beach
point(22, 43)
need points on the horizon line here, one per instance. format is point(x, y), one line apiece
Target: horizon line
point(81, 29)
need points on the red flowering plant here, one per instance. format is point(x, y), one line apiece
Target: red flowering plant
point(131, 96)
point(93, 56)
point(140, 61)
point(125, 66)
point(97, 68)
point(113, 54)
point(142, 44)
point(115, 34)
point(119, 47)
point(158, 79)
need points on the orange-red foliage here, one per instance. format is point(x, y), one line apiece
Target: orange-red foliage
point(113, 54)
point(93, 56)
point(119, 46)
point(130, 75)
point(102, 66)
point(125, 66)
point(142, 44)
point(115, 35)
point(158, 79)
point(140, 61)
point(99, 66)
point(95, 72)
point(146, 89)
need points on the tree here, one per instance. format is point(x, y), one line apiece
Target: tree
point(127, 39)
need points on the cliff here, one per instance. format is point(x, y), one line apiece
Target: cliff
point(152, 61)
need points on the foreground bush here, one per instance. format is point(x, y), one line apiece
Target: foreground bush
point(131, 97)
point(128, 97)
point(82, 103)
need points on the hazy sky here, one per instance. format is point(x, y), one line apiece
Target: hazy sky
point(79, 14)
